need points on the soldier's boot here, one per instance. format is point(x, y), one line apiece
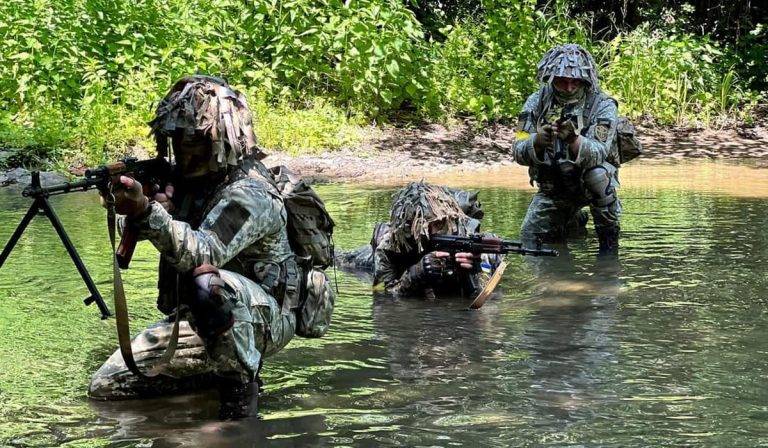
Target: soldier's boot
point(608, 238)
point(237, 399)
point(210, 306)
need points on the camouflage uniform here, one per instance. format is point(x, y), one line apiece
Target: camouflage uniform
point(567, 183)
point(395, 256)
point(234, 221)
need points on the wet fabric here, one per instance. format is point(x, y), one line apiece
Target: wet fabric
point(260, 330)
point(562, 180)
point(396, 265)
point(263, 325)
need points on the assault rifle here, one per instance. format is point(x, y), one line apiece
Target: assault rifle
point(484, 244)
point(149, 172)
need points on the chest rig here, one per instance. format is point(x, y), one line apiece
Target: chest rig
point(282, 280)
point(559, 173)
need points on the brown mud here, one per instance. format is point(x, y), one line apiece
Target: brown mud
point(462, 155)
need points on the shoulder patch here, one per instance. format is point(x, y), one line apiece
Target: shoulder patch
point(230, 221)
point(601, 132)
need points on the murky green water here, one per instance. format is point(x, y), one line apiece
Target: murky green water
point(666, 348)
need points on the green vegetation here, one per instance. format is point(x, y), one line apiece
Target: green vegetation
point(78, 78)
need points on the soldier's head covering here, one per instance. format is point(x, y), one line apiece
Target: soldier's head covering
point(210, 107)
point(417, 206)
point(568, 61)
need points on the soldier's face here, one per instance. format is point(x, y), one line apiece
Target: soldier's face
point(441, 226)
point(193, 154)
point(567, 85)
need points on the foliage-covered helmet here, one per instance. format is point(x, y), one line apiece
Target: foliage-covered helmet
point(420, 209)
point(568, 61)
point(210, 107)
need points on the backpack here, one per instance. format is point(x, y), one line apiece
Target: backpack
point(626, 140)
point(310, 227)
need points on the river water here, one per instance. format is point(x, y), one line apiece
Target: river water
point(665, 347)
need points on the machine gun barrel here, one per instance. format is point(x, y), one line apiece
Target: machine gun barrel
point(484, 244)
point(150, 172)
point(36, 190)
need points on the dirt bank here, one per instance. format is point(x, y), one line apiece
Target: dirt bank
point(434, 151)
point(461, 154)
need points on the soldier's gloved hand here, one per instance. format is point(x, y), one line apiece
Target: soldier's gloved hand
point(544, 137)
point(129, 197)
point(164, 198)
point(566, 131)
point(433, 266)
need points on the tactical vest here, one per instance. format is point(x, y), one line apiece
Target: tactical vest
point(626, 146)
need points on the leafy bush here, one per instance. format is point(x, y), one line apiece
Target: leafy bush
point(674, 78)
point(486, 68)
point(82, 76)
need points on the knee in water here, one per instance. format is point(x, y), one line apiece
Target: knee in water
point(598, 182)
point(209, 305)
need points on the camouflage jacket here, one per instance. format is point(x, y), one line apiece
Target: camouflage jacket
point(393, 269)
point(597, 116)
point(239, 227)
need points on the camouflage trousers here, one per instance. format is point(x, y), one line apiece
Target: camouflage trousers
point(551, 218)
point(260, 330)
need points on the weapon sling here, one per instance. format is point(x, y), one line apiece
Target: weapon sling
point(121, 315)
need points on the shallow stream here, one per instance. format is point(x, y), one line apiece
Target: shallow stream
point(665, 347)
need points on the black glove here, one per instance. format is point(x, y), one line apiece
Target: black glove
point(544, 138)
point(430, 268)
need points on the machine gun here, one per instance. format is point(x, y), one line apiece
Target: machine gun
point(149, 172)
point(484, 244)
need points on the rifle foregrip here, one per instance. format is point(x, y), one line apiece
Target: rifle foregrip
point(124, 252)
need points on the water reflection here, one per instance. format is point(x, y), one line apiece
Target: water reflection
point(665, 348)
point(569, 334)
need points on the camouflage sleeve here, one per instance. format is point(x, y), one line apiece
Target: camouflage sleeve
point(596, 146)
point(383, 269)
point(526, 132)
point(246, 213)
point(386, 273)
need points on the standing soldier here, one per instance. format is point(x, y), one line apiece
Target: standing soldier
point(220, 228)
point(566, 136)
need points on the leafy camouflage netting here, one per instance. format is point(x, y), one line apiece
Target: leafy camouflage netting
point(418, 205)
point(568, 61)
point(207, 105)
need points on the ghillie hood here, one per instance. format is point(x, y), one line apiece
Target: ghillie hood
point(415, 207)
point(568, 61)
point(209, 106)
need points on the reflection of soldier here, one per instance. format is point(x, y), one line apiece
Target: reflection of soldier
point(399, 255)
point(569, 334)
point(220, 227)
point(566, 136)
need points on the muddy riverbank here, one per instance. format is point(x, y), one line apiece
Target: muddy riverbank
point(461, 153)
point(434, 151)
